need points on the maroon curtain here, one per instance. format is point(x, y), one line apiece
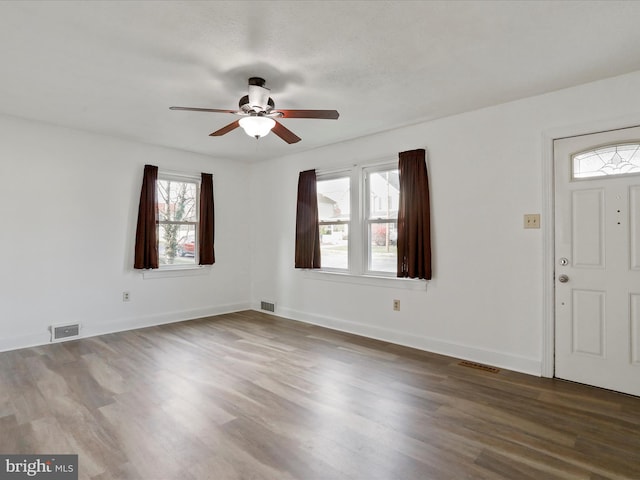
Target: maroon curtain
point(414, 232)
point(307, 228)
point(146, 250)
point(206, 227)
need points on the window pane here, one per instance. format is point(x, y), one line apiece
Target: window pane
point(334, 205)
point(383, 253)
point(334, 202)
point(384, 193)
point(334, 246)
point(177, 201)
point(177, 244)
point(610, 160)
point(383, 196)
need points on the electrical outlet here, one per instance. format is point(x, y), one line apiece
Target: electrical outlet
point(396, 305)
point(532, 220)
point(126, 296)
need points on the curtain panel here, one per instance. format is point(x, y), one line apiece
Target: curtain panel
point(414, 231)
point(307, 228)
point(146, 248)
point(206, 227)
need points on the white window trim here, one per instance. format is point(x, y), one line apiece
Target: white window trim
point(365, 172)
point(367, 280)
point(332, 175)
point(179, 176)
point(358, 272)
point(172, 271)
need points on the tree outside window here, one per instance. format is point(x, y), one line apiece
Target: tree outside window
point(177, 221)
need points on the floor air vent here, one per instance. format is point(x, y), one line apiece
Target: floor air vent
point(479, 366)
point(267, 306)
point(65, 331)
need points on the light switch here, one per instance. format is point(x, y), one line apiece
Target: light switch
point(532, 220)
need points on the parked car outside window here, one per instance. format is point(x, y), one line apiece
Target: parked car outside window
point(187, 246)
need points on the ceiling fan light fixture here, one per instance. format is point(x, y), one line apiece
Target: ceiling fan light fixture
point(256, 126)
point(257, 110)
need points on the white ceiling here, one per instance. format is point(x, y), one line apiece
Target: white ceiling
point(115, 67)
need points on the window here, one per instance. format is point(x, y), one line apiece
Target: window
point(382, 189)
point(358, 217)
point(334, 209)
point(606, 161)
point(177, 219)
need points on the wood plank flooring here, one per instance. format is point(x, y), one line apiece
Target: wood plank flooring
point(251, 396)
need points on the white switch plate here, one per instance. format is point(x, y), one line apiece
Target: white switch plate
point(532, 220)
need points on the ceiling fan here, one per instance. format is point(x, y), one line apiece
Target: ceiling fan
point(258, 114)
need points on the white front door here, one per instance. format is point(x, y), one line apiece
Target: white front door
point(597, 259)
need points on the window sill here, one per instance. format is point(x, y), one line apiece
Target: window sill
point(175, 271)
point(369, 280)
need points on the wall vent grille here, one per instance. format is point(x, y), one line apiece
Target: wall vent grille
point(65, 331)
point(267, 306)
point(479, 366)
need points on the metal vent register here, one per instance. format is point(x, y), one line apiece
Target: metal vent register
point(65, 331)
point(267, 306)
point(479, 366)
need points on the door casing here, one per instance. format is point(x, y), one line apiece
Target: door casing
point(548, 221)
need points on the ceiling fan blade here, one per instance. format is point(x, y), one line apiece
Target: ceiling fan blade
point(195, 109)
point(322, 114)
point(285, 134)
point(226, 129)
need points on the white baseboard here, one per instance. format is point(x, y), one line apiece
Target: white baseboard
point(160, 319)
point(24, 341)
point(120, 325)
point(508, 361)
point(499, 359)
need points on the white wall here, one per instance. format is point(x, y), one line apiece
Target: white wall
point(485, 301)
point(486, 170)
point(68, 204)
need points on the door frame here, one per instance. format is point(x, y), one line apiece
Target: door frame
point(547, 364)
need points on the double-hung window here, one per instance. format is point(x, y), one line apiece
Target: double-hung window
point(358, 218)
point(382, 195)
point(334, 214)
point(177, 219)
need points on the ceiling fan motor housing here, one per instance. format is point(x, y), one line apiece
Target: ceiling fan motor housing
point(257, 81)
point(258, 95)
point(245, 105)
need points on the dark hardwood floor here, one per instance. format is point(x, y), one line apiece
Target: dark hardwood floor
point(251, 396)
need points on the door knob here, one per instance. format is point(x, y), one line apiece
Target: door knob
point(563, 278)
